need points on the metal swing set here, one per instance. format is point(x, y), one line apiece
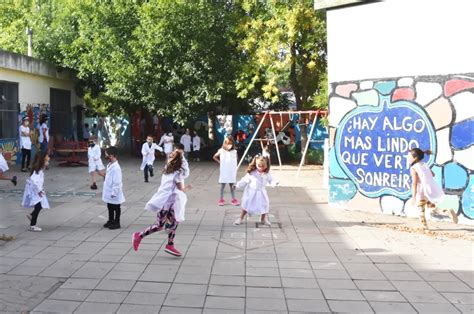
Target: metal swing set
point(276, 139)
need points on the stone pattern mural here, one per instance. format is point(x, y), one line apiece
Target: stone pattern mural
point(373, 124)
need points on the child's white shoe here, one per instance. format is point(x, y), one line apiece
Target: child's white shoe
point(238, 221)
point(266, 222)
point(35, 229)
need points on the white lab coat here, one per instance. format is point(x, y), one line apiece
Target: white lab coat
point(3, 164)
point(94, 158)
point(41, 136)
point(228, 166)
point(149, 154)
point(168, 196)
point(255, 198)
point(196, 143)
point(33, 187)
point(186, 141)
point(112, 191)
point(25, 141)
point(167, 141)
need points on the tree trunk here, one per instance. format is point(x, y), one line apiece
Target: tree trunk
point(299, 101)
point(210, 125)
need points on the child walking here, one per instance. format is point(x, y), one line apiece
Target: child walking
point(168, 202)
point(425, 191)
point(112, 192)
point(4, 168)
point(255, 199)
point(94, 154)
point(227, 159)
point(148, 153)
point(167, 141)
point(34, 195)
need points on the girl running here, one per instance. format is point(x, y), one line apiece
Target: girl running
point(425, 191)
point(169, 203)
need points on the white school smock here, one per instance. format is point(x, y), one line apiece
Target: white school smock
point(33, 187)
point(255, 198)
point(112, 191)
point(3, 164)
point(93, 156)
point(25, 141)
point(148, 153)
point(185, 168)
point(41, 136)
point(167, 141)
point(196, 143)
point(186, 141)
point(427, 188)
point(168, 196)
point(228, 166)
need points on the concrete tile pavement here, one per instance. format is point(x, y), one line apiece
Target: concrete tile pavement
point(313, 258)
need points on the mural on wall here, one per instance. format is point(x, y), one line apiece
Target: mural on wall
point(373, 124)
point(10, 150)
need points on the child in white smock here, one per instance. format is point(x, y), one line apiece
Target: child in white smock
point(167, 141)
point(227, 159)
point(112, 192)
point(148, 153)
point(168, 202)
point(34, 195)
point(94, 154)
point(4, 168)
point(425, 190)
point(255, 199)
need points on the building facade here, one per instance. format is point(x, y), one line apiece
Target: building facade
point(401, 75)
point(32, 87)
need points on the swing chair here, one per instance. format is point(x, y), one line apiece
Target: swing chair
point(282, 137)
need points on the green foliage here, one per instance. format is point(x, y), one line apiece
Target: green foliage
point(177, 57)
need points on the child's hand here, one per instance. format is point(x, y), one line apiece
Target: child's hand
point(412, 201)
point(189, 187)
point(41, 194)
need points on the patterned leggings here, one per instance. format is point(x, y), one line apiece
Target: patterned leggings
point(164, 220)
point(422, 204)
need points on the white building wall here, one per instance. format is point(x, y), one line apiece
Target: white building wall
point(399, 38)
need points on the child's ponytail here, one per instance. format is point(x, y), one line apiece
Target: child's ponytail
point(428, 152)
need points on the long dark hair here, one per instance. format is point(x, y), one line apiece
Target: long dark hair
point(419, 154)
point(175, 162)
point(253, 164)
point(39, 162)
point(228, 140)
point(43, 119)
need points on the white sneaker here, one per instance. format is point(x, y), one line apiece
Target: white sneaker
point(35, 229)
point(238, 221)
point(266, 222)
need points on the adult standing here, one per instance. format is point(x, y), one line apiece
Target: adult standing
point(44, 133)
point(25, 144)
point(186, 141)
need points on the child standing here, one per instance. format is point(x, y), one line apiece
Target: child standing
point(25, 144)
point(43, 133)
point(4, 168)
point(112, 192)
point(168, 202)
point(255, 199)
point(425, 191)
point(167, 141)
point(34, 195)
point(227, 159)
point(186, 141)
point(196, 145)
point(94, 154)
point(148, 153)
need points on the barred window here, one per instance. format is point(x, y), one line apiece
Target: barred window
point(8, 109)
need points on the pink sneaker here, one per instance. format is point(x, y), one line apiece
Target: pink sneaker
point(136, 239)
point(235, 202)
point(221, 202)
point(170, 249)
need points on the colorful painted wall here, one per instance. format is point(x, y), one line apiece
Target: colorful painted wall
point(373, 124)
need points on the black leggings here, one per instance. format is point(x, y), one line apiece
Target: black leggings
point(35, 213)
point(25, 158)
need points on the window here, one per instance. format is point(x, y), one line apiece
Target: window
point(8, 109)
point(61, 123)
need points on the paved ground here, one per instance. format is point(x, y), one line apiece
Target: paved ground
point(313, 259)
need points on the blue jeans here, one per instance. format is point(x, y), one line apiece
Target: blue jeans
point(44, 146)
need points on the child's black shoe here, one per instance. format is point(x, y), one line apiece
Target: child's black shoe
point(114, 225)
point(108, 224)
point(14, 180)
point(94, 186)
